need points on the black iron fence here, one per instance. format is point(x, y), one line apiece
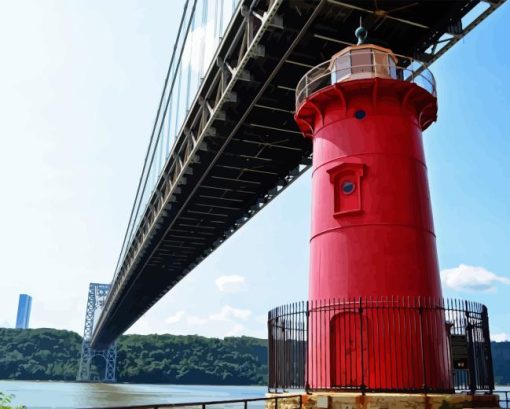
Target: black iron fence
point(273, 402)
point(504, 399)
point(380, 345)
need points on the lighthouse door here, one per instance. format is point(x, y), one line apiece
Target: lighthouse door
point(346, 349)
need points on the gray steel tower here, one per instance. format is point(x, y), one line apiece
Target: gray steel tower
point(24, 308)
point(95, 303)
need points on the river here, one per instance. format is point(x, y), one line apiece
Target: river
point(45, 395)
point(63, 395)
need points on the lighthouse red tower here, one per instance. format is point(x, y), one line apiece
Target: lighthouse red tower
point(375, 323)
point(372, 229)
point(372, 235)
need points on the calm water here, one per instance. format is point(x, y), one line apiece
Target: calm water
point(45, 395)
point(71, 395)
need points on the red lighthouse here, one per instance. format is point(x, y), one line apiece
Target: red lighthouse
point(372, 236)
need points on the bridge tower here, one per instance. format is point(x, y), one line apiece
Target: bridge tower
point(95, 302)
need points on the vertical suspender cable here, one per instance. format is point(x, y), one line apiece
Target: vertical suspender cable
point(205, 15)
point(167, 102)
point(131, 220)
point(216, 35)
point(169, 126)
point(190, 65)
point(178, 105)
point(130, 224)
point(221, 18)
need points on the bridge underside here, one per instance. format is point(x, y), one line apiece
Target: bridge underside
point(239, 147)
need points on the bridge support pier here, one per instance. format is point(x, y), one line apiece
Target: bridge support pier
point(95, 302)
point(88, 353)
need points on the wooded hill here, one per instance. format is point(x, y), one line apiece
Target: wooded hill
point(49, 354)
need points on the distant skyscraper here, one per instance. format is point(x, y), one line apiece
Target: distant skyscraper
point(24, 307)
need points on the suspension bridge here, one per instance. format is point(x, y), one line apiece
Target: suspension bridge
point(224, 142)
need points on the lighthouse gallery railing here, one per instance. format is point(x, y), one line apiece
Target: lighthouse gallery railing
point(382, 66)
point(301, 333)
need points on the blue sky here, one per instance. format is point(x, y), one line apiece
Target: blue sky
point(80, 83)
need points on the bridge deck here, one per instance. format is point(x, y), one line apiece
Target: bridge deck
point(239, 146)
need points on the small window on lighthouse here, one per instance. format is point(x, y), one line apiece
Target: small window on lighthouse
point(346, 181)
point(348, 187)
point(360, 114)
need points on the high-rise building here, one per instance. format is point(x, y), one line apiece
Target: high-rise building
point(24, 307)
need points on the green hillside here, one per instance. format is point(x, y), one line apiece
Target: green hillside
point(49, 354)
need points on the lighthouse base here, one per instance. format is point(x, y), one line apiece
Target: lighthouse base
point(349, 400)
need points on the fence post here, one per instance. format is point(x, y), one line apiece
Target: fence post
point(269, 354)
point(471, 351)
point(488, 348)
point(362, 386)
point(423, 363)
point(307, 348)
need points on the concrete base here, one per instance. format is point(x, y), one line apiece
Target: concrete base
point(331, 400)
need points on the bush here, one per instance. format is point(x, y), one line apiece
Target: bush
point(5, 402)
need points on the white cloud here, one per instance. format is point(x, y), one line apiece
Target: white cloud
point(500, 337)
point(194, 320)
point(183, 316)
point(231, 283)
point(228, 313)
point(5, 324)
point(224, 321)
point(261, 319)
point(203, 39)
point(172, 319)
point(470, 278)
point(235, 331)
point(200, 48)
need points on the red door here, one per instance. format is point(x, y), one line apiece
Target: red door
point(346, 346)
